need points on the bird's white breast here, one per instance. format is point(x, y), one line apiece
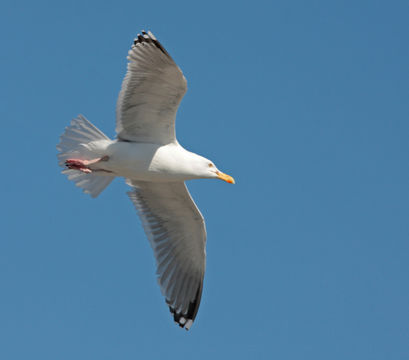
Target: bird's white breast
point(143, 161)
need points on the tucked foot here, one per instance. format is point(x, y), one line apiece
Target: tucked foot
point(77, 164)
point(83, 165)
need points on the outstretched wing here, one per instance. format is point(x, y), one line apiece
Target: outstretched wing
point(151, 92)
point(176, 230)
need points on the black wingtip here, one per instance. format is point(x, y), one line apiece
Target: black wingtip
point(148, 37)
point(185, 320)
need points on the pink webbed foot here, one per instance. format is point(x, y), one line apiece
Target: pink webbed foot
point(83, 165)
point(77, 164)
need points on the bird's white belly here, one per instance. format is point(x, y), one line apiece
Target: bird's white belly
point(139, 161)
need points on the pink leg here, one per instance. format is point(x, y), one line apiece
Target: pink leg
point(83, 165)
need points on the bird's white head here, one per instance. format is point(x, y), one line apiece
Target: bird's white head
point(204, 168)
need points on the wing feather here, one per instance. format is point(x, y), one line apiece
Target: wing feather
point(176, 231)
point(150, 95)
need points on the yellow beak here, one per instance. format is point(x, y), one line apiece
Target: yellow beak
point(225, 177)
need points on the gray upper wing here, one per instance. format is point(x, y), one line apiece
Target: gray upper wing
point(150, 95)
point(176, 231)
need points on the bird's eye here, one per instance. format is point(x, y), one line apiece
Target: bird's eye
point(211, 165)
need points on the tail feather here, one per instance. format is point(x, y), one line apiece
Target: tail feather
point(72, 145)
point(90, 183)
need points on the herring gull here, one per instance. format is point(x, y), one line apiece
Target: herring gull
point(147, 154)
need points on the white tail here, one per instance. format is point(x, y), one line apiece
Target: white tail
point(79, 133)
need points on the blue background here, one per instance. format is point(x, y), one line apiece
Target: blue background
point(305, 103)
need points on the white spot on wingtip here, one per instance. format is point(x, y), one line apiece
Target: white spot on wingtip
point(151, 35)
point(188, 324)
point(182, 320)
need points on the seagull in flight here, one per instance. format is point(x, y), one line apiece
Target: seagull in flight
point(147, 154)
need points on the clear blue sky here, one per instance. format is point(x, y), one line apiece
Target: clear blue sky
point(305, 103)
